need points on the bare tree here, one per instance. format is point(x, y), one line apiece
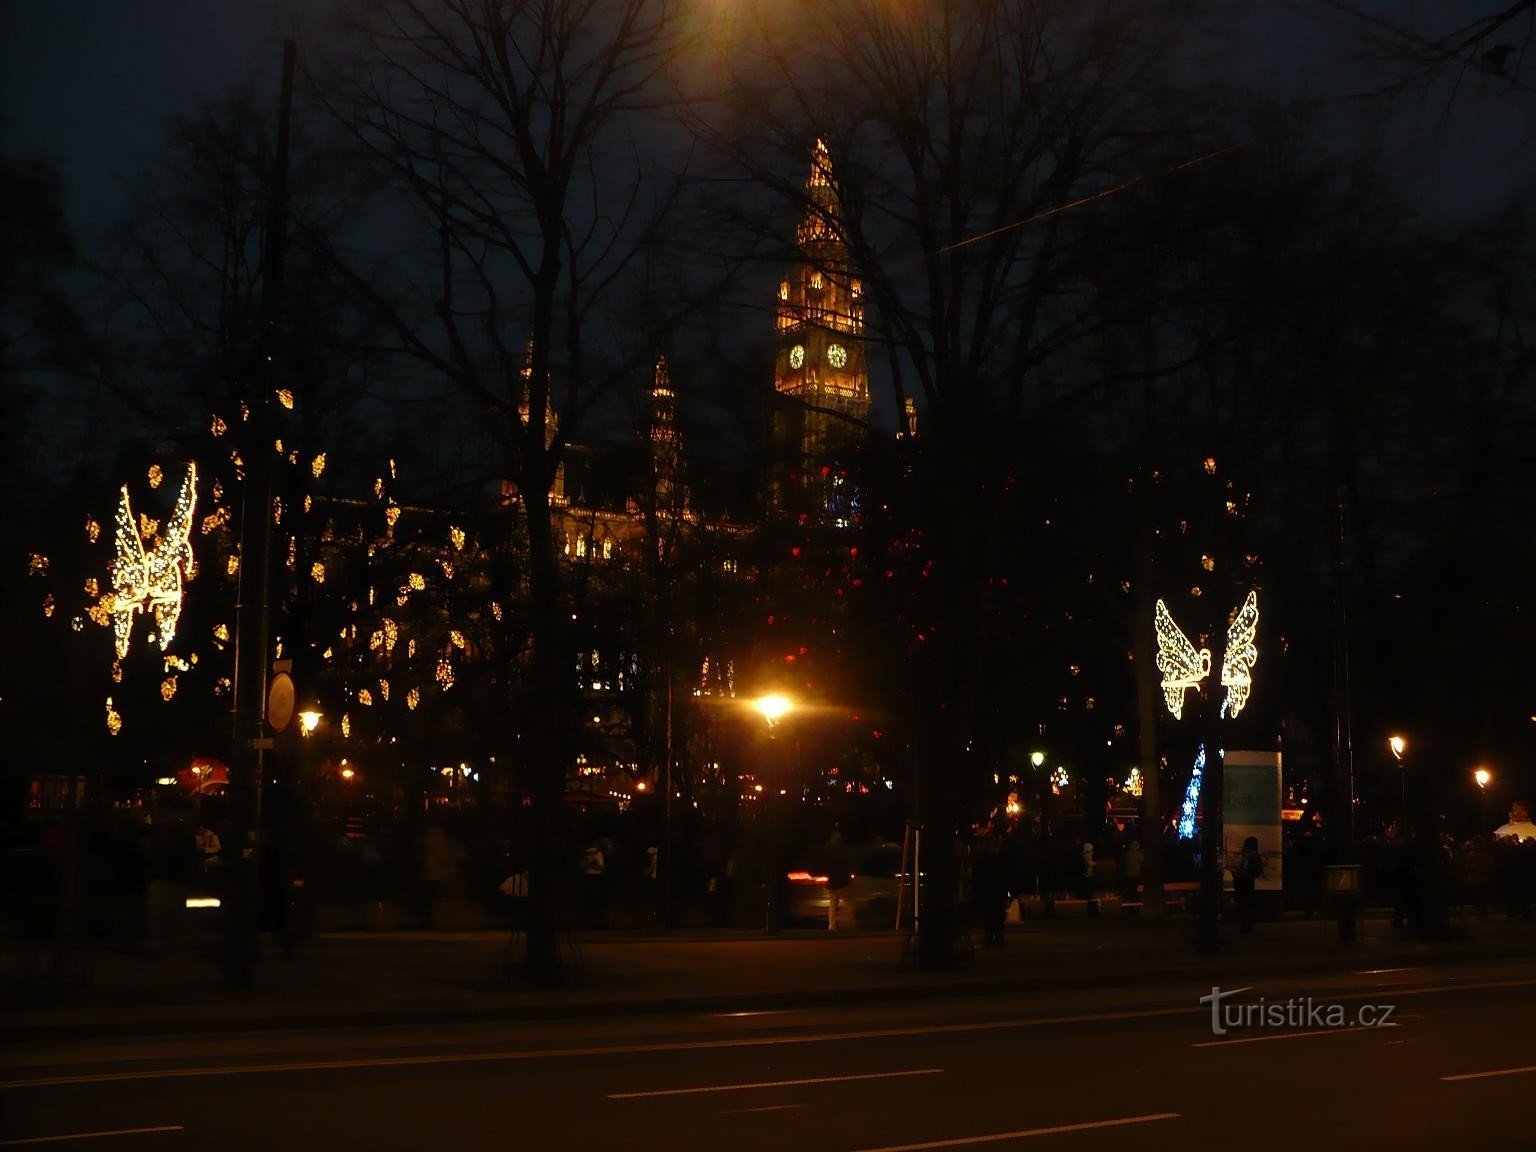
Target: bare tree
point(958, 133)
point(527, 145)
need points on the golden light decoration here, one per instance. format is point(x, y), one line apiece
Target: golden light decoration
point(328, 653)
point(92, 529)
point(376, 641)
point(384, 689)
point(496, 610)
point(293, 551)
point(1241, 655)
point(413, 698)
point(285, 398)
point(218, 427)
point(151, 580)
point(445, 673)
point(37, 564)
point(48, 606)
point(447, 569)
point(114, 718)
point(155, 475)
point(277, 509)
point(393, 475)
point(245, 412)
point(317, 466)
point(1210, 465)
point(277, 445)
point(148, 526)
point(391, 635)
point(232, 565)
point(1182, 665)
point(92, 587)
point(218, 489)
point(309, 502)
point(417, 581)
point(317, 572)
point(365, 698)
point(215, 520)
point(168, 687)
point(378, 487)
point(117, 671)
point(221, 633)
point(410, 649)
point(456, 534)
point(456, 638)
point(346, 726)
point(402, 598)
point(221, 686)
point(392, 515)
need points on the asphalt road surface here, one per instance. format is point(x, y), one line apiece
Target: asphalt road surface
point(1126, 1069)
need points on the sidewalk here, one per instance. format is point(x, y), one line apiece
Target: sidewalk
point(444, 977)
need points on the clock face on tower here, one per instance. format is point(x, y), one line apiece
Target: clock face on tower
point(797, 356)
point(837, 356)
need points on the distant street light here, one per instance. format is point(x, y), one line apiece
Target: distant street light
point(347, 773)
point(1037, 758)
point(1398, 746)
point(309, 720)
point(1483, 778)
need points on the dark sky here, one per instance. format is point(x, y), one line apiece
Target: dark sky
point(92, 83)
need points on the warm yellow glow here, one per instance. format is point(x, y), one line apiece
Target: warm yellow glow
point(773, 707)
point(417, 581)
point(456, 535)
point(202, 902)
point(317, 466)
point(317, 572)
point(156, 476)
point(114, 718)
point(392, 515)
point(384, 688)
point(413, 698)
point(445, 673)
point(347, 773)
point(1037, 758)
point(1483, 778)
point(365, 698)
point(1183, 665)
point(346, 726)
point(151, 580)
point(456, 638)
point(1241, 655)
point(1398, 746)
point(218, 427)
point(309, 720)
point(92, 529)
point(285, 398)
point(168, 687)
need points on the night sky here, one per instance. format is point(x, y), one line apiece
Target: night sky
point(92, 84)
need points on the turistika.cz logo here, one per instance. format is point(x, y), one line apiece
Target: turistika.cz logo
point(1297, 1012)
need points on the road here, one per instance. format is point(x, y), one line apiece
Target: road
point(1122, 1069)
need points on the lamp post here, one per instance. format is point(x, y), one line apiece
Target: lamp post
point(1037, 761)
point(1399, 747)
point(1482, 777)
point(772, 708)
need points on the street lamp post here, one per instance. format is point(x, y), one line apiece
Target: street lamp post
point(773, 708)
point(1482, 778)
point(1037, 761)
point(1399, 747)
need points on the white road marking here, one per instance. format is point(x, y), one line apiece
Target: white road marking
point(1005, 1024)
point(1292, 1035)
point(90, 1135)
point(1496, 1072)
point(998, 1136)
point(774, 1084)
point(606, 1050)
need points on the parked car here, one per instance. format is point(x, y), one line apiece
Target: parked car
point(872, 888)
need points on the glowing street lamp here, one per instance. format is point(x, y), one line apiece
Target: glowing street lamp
point(309, 720)
point(1399, 747)
point(1037, 759)
point(773, 707)
point(1483, 778)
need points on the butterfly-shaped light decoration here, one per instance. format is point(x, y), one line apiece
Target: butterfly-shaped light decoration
point(151, 580)
point(1242, 653)
point(1183, 665)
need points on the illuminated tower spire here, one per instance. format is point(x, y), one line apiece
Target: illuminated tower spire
point(666, 444)
point(820, 365)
